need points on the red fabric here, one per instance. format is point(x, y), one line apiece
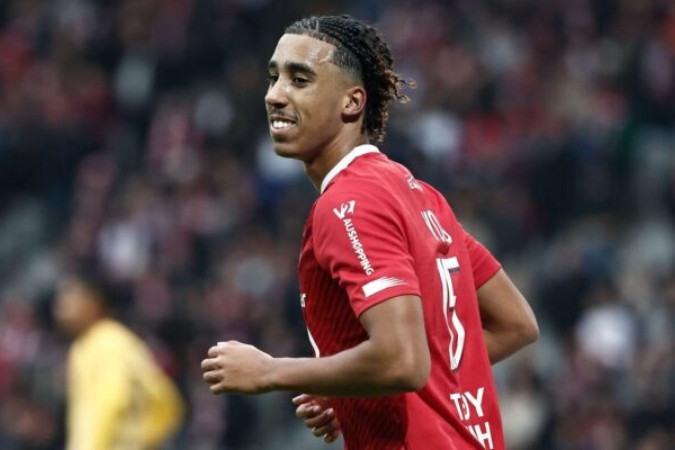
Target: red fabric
point(373, 223)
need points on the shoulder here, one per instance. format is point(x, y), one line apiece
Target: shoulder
point(110, 335)
point(368, 179)
point(363, 193)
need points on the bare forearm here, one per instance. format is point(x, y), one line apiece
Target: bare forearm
point(501, 346)
point(362, 370)
point(508, 321)
point(395, 358)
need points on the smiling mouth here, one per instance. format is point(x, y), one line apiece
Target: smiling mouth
point(280, 124)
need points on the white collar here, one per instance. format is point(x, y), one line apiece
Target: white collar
point(346, 160)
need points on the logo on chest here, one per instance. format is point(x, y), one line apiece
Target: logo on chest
point(345, 208)
point(341, 213)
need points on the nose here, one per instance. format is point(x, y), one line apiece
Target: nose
point(276, 96)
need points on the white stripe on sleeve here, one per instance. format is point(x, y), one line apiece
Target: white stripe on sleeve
point(380, 285)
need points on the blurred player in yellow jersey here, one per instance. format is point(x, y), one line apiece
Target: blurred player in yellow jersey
point(118, 397)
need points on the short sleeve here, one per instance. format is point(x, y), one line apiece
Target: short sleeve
point(483, 263)
point(359, 239)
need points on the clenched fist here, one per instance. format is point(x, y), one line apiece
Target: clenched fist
point(233, 367)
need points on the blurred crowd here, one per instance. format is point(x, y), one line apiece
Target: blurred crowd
point(133, 138)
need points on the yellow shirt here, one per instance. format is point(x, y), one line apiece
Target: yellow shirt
point(118, 398)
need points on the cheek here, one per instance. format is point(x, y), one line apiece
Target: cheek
point(65, 313)
point(69, 308)
point(328, 109)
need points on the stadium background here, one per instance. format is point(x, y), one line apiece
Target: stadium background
point(133, 135)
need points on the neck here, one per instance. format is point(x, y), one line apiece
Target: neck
point(91, 324)
point(318, 168)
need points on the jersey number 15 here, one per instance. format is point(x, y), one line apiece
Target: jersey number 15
point(446, 266)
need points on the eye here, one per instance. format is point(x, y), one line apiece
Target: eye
point(272, 78)
point(300, 81)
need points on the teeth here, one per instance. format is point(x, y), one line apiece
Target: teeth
point(281, 124)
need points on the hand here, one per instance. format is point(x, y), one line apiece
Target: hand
point(318, 415)
point(233, 367)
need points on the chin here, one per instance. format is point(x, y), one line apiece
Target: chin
point(285, 150)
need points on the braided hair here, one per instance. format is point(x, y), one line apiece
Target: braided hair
point(361, 50)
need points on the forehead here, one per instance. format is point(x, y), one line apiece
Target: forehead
point(303, 49)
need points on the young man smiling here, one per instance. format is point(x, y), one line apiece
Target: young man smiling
point(404, 309)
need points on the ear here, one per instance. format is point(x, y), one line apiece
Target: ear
point(354, 103)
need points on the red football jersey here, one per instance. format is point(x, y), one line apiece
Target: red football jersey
point(374, 233)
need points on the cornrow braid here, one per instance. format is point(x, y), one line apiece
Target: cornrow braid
point(360, 49)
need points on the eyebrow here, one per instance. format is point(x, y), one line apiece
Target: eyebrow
point(293, 67)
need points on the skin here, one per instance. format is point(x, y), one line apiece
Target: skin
point(508, 321)
point(325, 105)
point(76, 308)
point(393, 360)
point(318, 415)
point(508, 325)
